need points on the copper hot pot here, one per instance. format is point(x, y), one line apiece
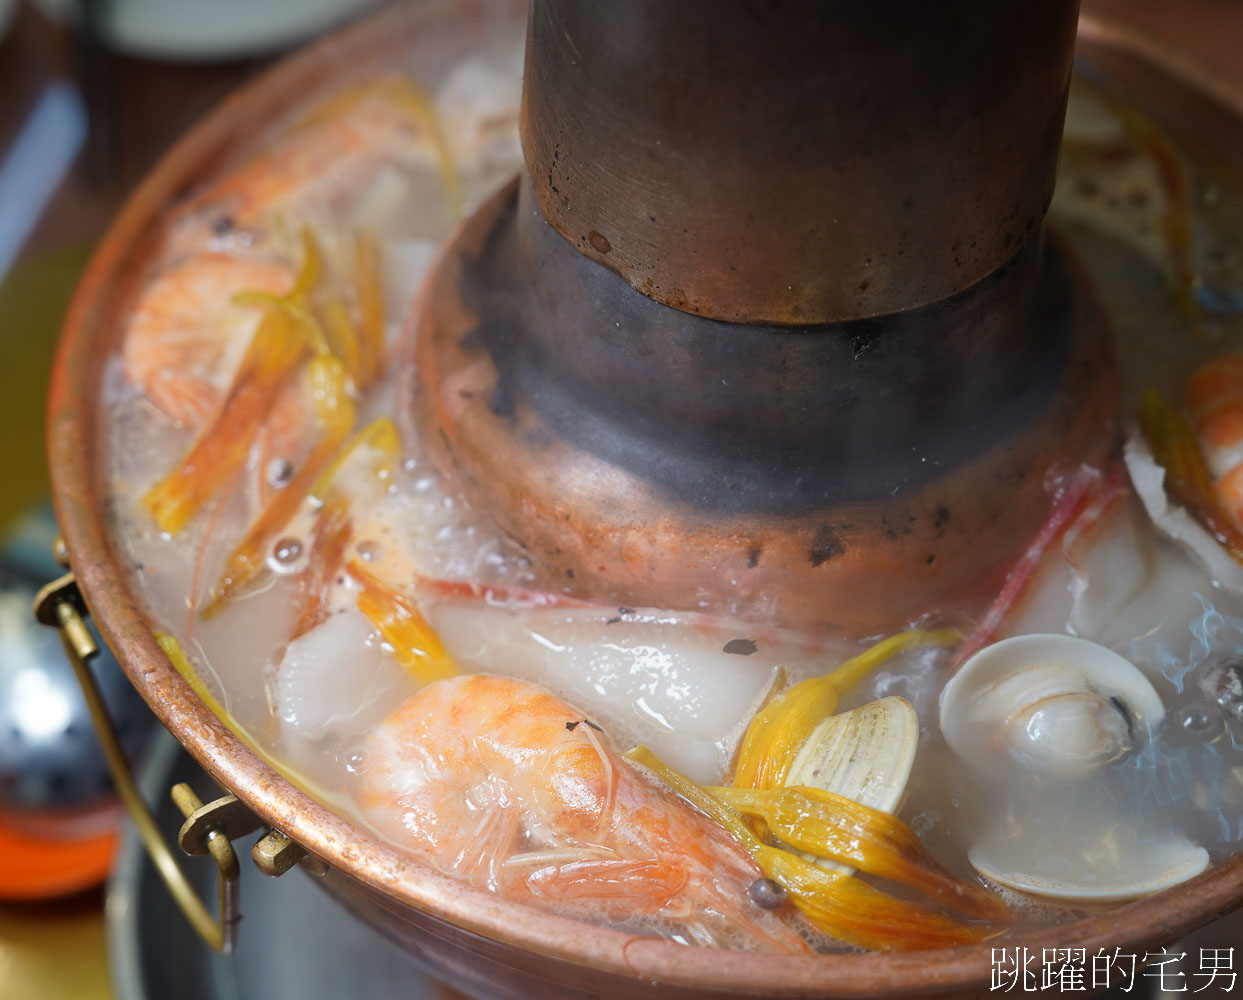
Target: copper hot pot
point(476, 942)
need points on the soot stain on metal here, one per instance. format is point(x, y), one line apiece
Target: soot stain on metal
point(828, 546)
point(862, 333)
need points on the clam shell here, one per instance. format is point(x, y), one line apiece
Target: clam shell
point(1118, 875)
point(864, 754)
point(1025, 702)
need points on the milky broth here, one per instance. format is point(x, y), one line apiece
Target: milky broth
point(681, 682)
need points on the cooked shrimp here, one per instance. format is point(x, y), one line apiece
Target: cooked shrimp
point(515, 791)
point(1214, 399)
point(337, 150)
point(223, 446)
point(186, 337)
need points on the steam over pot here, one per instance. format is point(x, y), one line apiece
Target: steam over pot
point(470, 939)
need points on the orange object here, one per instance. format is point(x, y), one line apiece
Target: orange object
point(39, 867)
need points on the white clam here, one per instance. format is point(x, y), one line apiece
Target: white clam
point(1050, 704)
point(1112, 861)
point(865, 754)
point(1043, 714)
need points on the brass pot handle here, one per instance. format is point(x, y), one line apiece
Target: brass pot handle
point(208, 829)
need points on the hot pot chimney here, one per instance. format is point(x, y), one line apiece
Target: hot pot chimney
point(772, 324)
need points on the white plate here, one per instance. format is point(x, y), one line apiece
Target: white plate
point(195, 30)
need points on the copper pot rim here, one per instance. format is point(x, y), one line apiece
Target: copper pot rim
point(77, 497)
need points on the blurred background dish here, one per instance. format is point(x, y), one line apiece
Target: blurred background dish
point(59, 818)
point(191, 30)
point(7, 9)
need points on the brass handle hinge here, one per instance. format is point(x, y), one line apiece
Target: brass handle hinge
point(208, 829)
